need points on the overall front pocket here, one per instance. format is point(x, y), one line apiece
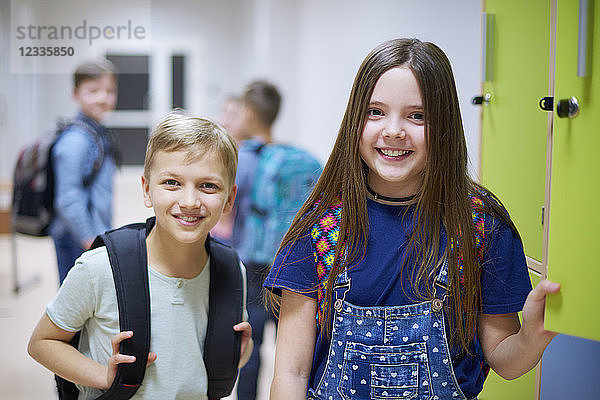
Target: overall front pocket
point(384, 372)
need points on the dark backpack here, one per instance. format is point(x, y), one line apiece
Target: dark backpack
point(126, 248)
point(33, 182)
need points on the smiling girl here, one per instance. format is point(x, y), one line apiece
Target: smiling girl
point(400, 276)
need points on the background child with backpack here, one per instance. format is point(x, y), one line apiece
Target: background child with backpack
point(188, 180)
point(83, 163)
point(273, 182)
point(401, 277)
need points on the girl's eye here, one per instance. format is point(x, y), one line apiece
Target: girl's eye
point(418, 116)
point(374, 112)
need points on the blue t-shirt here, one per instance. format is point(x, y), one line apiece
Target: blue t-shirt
point(379, 280)
point(83, 210)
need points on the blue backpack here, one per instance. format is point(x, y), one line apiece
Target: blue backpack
point(283, 179)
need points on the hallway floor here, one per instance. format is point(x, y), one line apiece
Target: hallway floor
point(21, 378)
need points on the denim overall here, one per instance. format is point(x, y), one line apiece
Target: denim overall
point(392, 352)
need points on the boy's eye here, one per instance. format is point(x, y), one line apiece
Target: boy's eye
point(170, 182)
point(209, 186)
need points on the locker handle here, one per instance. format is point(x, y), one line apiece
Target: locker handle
point(481, 99)
point(487, 31)
point(547, 103)
point(582, 41)
point(567, 108)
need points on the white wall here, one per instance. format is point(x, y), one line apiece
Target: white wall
point(310, 48)
point(335, 36)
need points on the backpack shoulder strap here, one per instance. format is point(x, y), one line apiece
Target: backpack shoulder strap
point(64, 125)
point(479, 223)
point(126, 249)
point(324, 237)
point(128, 259)
point(227, 298)
point(478, 216)
point(259, 148)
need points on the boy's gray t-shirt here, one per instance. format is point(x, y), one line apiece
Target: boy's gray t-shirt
point(87, 301)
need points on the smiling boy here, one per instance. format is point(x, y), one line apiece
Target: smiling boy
point(83, 161)
point(188, 180)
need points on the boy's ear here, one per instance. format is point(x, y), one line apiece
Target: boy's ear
point(75, 94)
point(146, 191)
point(249, 118)
point(230, 200)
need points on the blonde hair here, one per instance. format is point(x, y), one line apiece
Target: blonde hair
point(178, 131)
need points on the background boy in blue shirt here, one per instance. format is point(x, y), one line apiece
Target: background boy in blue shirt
point(83, 159)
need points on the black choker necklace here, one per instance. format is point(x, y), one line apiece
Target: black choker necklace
point(378, 196)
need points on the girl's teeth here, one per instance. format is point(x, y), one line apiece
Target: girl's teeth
point(189, 219)
point(394, 153)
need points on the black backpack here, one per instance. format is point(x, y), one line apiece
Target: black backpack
point(33, 181)
point(126, 248)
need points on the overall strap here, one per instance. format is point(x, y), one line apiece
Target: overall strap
point(440, 288)
point(128, 259)
point(227, 297)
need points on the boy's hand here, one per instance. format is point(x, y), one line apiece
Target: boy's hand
point(118, 358)
point(247, 343)
point(533, 313)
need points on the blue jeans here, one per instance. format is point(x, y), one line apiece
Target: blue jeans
point(67, 251)
point(257, 316)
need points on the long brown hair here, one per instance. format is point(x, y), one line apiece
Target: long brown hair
point(442, 200)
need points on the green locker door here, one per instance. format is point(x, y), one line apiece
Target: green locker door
point(514, 129)
point(574, 230)
point(514, 135)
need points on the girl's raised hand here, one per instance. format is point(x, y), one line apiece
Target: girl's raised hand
point(533, 313)
point(118, 358)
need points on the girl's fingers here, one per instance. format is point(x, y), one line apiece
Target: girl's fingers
point(543, 288)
